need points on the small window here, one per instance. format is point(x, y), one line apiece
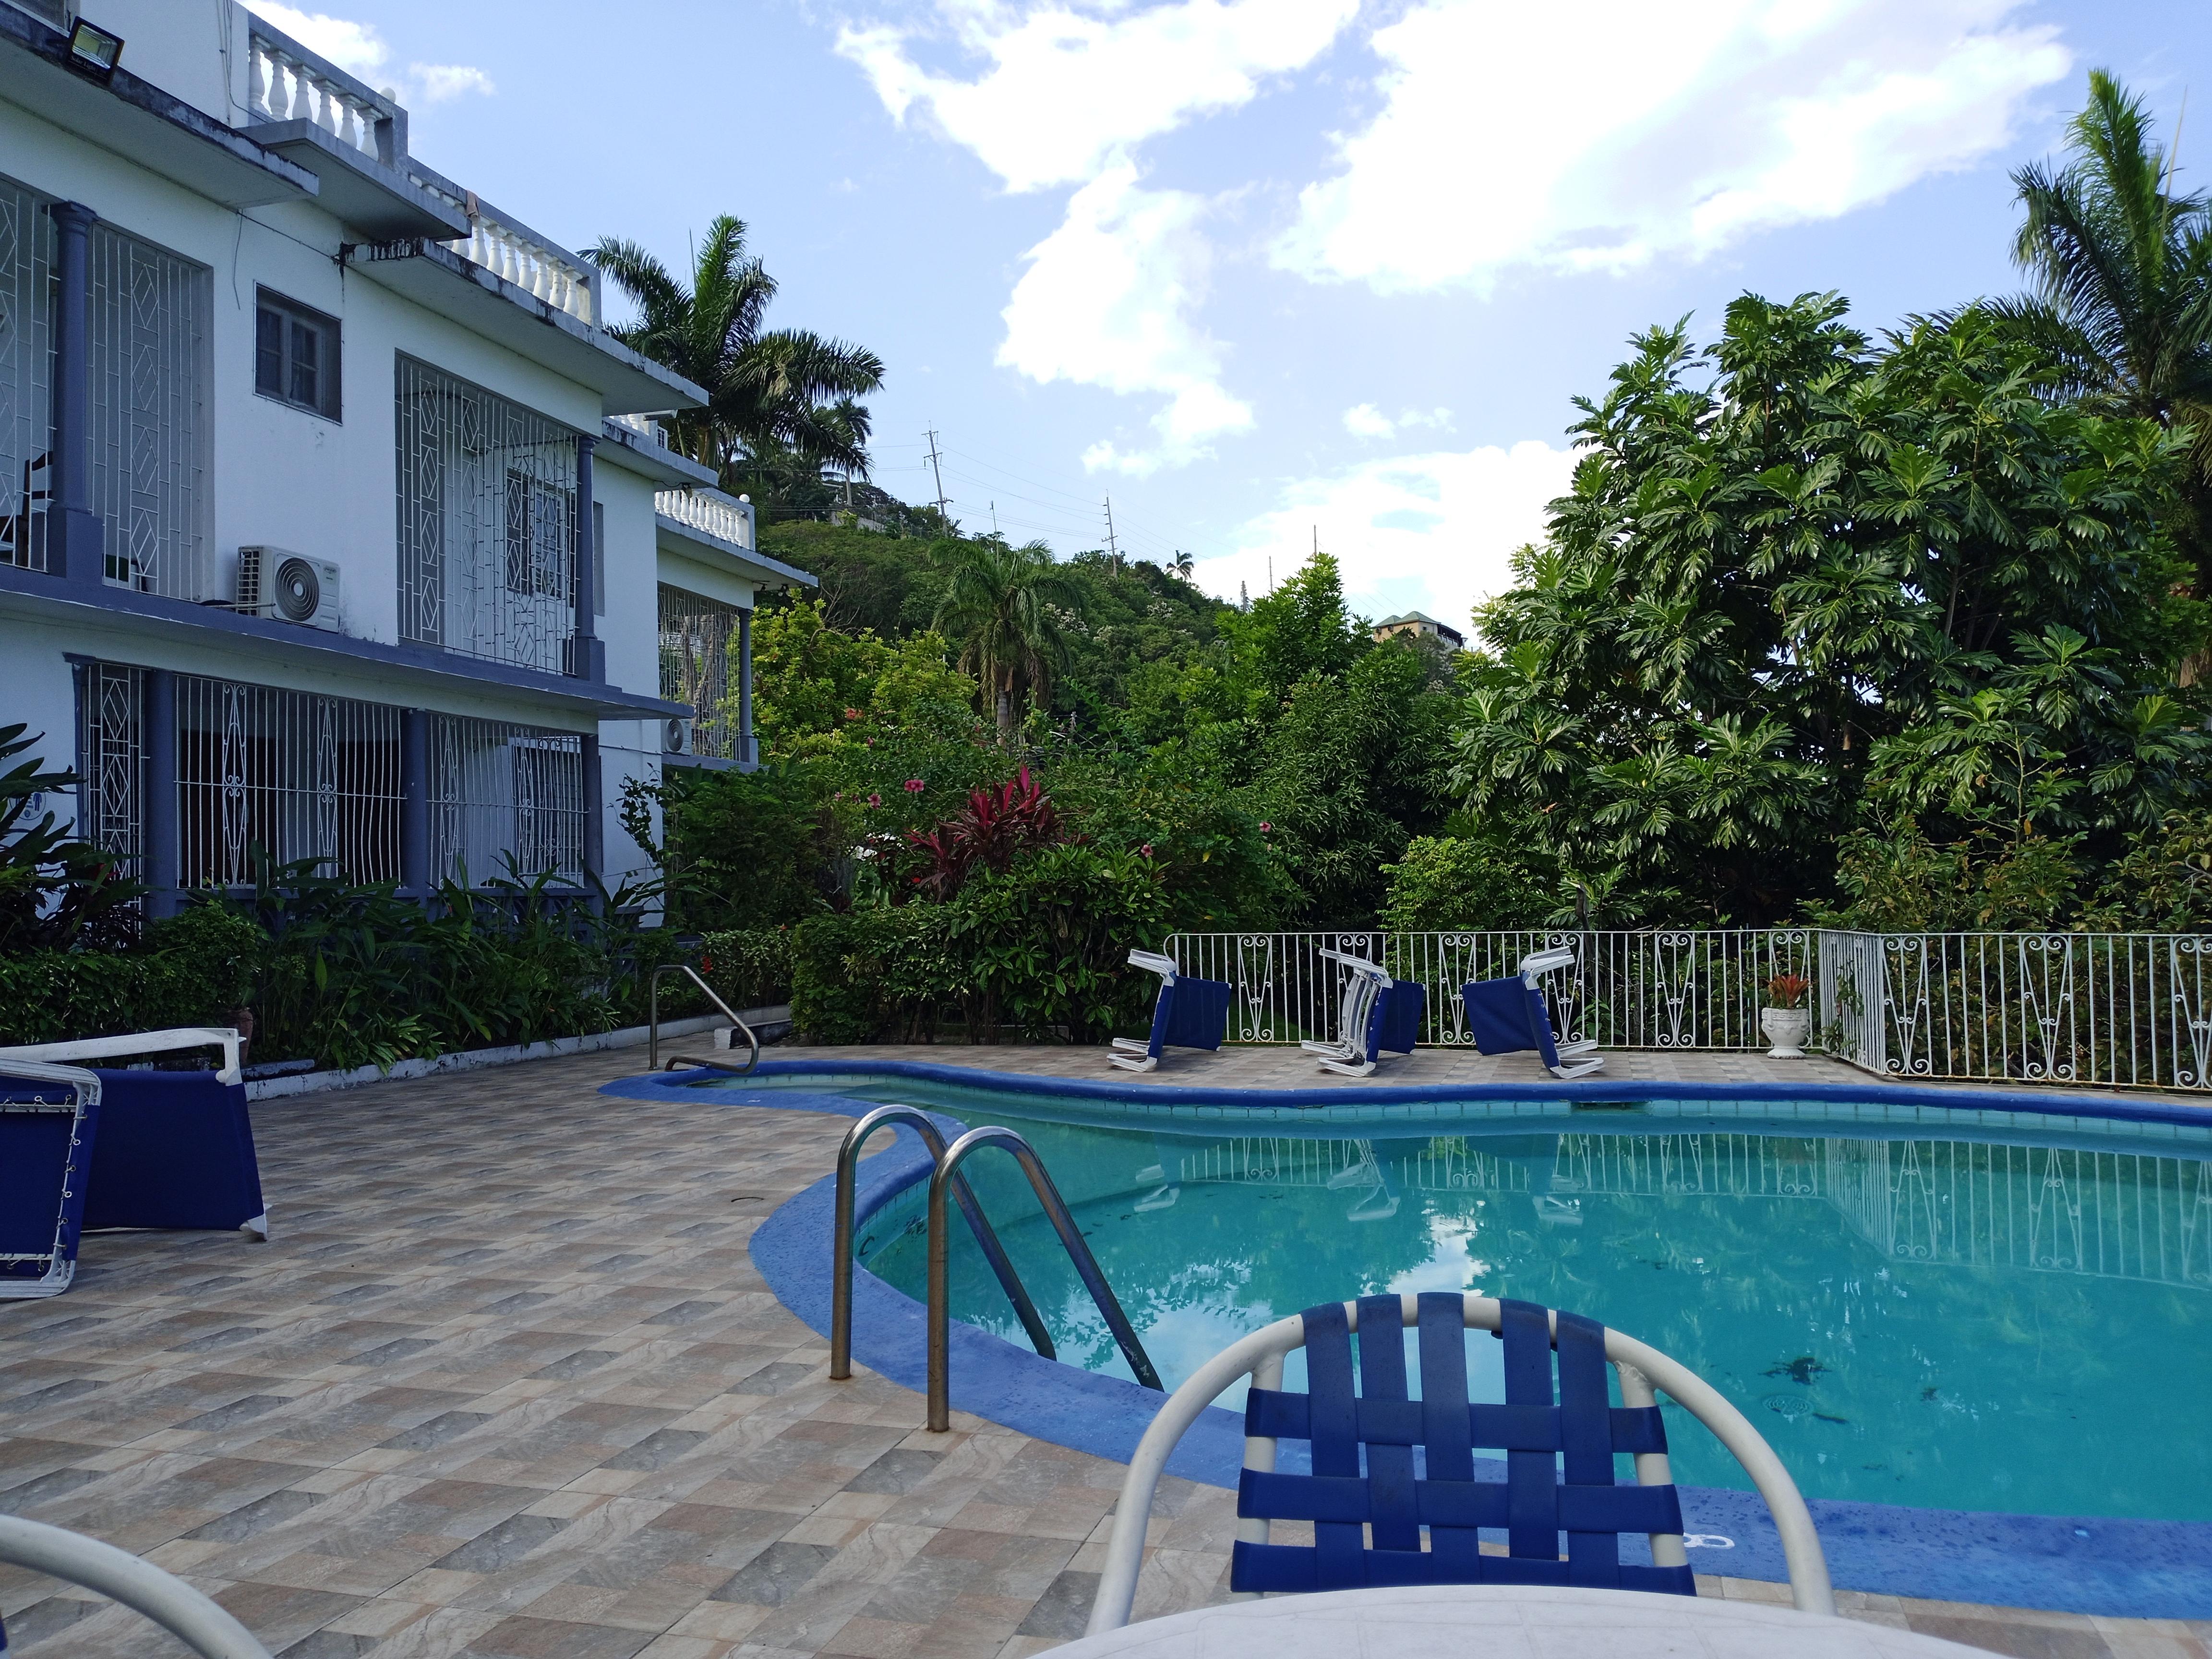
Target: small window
point(295, 357)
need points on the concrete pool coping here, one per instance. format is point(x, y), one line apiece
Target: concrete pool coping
point(2099, 1566)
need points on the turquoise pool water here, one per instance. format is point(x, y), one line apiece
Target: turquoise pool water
point(2012, 1318)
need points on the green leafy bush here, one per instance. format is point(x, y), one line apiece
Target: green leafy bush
point(748, 967)
point(885, 970)
point(1446, 882)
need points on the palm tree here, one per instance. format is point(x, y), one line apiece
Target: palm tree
point(2122, 268)
point(781, 392)
point(999, 606)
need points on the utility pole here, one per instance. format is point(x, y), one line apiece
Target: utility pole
point(994, 518)
point(1113, 551)
point(935, 472)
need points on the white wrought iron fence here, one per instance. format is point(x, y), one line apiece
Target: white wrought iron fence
point(2113, 1010)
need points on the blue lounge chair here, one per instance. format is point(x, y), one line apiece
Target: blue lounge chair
point(1509, 1016)
point(174, 1149)
point(1374, 1509)
point(49, 1117)
point(1189, 1013)
point(1377, 1015)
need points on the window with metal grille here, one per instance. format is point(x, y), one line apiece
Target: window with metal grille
point(504, 797)
point(27, 264)
point(487, 522)
point(146, 338)
point(696, 640)
point(295, 355)
point(297, 774)
point(111, 762)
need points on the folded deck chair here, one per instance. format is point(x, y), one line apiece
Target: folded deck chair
point(1190, 1013)
point(1365, 983)
point(1509, 1016)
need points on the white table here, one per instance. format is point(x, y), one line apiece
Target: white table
point(1501, 1621)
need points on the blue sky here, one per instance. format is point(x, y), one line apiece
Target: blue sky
point(1262, 270)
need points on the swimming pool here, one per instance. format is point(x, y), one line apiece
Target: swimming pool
point(1978, 1311)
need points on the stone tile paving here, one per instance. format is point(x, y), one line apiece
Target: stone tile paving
point(505, 1383)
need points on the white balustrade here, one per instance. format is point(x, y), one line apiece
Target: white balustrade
point(708, 510)
point(284, 85)
point(645, 428)
point(513, 256)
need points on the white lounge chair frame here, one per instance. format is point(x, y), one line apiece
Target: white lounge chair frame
point(1533, 967)
point(1641, 1368)
point(1364, 982)
point(1128, 1052)
point(163, 1597)
point(132, 1043)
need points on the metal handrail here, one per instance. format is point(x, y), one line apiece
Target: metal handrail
point(652, 1025)
point(162, 1596)
point(841, 1281)
point(1086, 1267)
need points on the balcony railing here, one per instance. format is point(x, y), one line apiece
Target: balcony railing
point(2131, 1011)
point(515, 255)
point(285, 82)
point(708, 510)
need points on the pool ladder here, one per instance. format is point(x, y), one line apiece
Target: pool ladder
point(653, 1026)
point(945, 1180)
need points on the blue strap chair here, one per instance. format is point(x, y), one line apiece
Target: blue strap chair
point(1188, 1013)
point(1509, 1016)
point(1379, 1015)
point(1394, 1469)
point(49, 1121)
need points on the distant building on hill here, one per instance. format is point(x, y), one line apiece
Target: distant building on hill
point(1421, 626)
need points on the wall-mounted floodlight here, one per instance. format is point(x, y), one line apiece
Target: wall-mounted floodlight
point(93, 50)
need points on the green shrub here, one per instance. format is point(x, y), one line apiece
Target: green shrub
point(1447, 883)
point(874, 970)
point(748, 967)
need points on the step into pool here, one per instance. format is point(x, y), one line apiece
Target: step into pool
point(2008, 1315)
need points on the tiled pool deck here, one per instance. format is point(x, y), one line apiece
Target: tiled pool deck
point(505, 1382)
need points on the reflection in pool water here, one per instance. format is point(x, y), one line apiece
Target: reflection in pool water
point(2015, 1324)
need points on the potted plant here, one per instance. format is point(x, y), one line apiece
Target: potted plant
point(1785, 1019)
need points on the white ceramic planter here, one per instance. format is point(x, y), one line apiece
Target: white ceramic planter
point(1787, 1029)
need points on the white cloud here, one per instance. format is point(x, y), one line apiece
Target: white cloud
point(435, 83)
point(1365, 421)
point(1433, 532)
point(1071, 89)
point(1107, 300)
point(361, 52)
point(1594, 136)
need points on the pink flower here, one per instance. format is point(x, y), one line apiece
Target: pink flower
point(913, 786)
point(875, 800)
point(1146, 849)
point(1265, 826)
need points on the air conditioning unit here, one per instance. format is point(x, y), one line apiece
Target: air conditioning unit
point(678, 740)
point(288, 586)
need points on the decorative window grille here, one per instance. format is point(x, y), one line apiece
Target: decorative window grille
point(111, 762)
point(697, 637)
point(27, 263)
point(498, 789)
point(487, 523)
point(296, 774)
point(146, 335)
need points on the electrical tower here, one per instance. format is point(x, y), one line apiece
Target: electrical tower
point(1113, 550)
point(935, 472)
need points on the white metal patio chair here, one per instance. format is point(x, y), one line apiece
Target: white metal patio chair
point(1533, 1505)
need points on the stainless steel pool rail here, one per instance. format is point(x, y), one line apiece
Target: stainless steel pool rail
point(942, 1181)
point(653, 1026)
point(841, 1267)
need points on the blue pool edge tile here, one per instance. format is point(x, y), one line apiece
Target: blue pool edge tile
point(2116, 1568)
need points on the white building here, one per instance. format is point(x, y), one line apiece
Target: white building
point(332, 520)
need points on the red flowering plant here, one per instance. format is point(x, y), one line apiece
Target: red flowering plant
point(1786, 991)
point(994, 826)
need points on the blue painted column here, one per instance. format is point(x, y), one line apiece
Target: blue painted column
point(595, 825)
point(74, 534)
point(745, 755)
point(416, 878)
point(158, 818)
point(587, 659)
